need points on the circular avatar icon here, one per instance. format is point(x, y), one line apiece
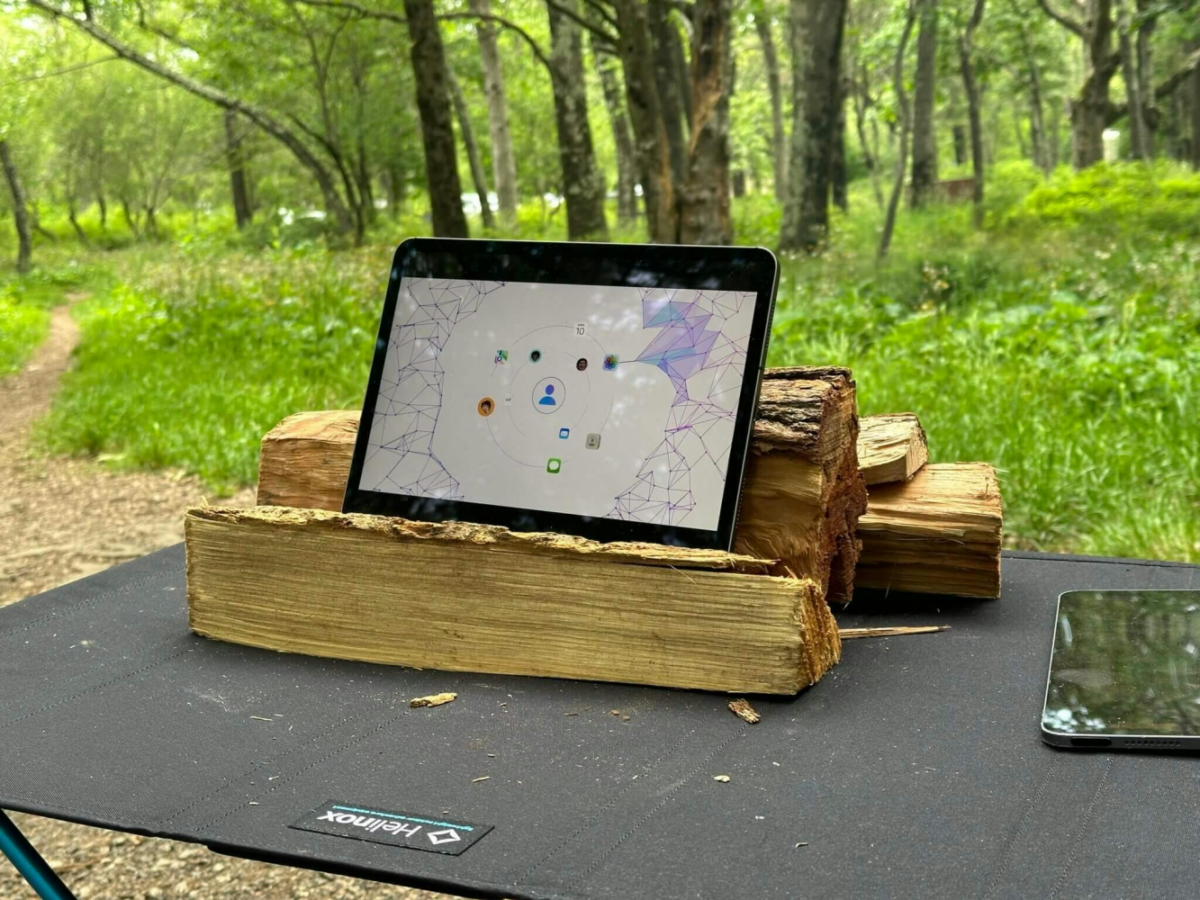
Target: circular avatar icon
point(535, 355)
point(581, 364)
point(610, 362)
point(549, 394)
point(486, 406)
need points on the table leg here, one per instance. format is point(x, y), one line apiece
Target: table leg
point(30, 863)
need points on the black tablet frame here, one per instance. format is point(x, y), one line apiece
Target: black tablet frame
point(640, 265)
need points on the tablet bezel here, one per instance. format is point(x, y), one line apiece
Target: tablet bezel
point(638, 265)
point(1154, 742)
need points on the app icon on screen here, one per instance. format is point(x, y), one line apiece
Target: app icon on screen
point(564, 433)
point(581, 364)
point(501, 357)
point(553, 465)
point(592, 442)
point(486, 406)
point(535, 355)
point(610, 362)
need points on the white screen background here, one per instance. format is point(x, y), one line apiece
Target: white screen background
point(664, 412)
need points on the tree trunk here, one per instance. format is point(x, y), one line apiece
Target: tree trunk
point(966, 64)
point(870, 156)
point(924, 135)
point(905, 116)
point(704, 204)
point(582, 181)
point(1019, 133)
point(1145, 76)
point(20, 212)
point(1133, 92)
point(960, 145)
point(472, 147)
point(362, 177)
point(645, 115)
point(237, 172)
point(622, 140)
point(504, 163)
point(1194, 90)
point(437, 127)
point(1037, 123)
point(775, 85)
point(838, 175)
point(394, 184)
point(663, 38)
point(73, 218)
point(1090, 110)
point(817, 27)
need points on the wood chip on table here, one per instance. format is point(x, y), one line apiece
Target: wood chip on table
point(744, 711)
point(890, 631)
point(724, 779)
point(432, 700)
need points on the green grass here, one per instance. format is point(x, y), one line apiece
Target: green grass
point(1059, 346)
point(25, 304)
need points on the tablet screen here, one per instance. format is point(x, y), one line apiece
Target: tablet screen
point(1125, 662)
point(604, 401)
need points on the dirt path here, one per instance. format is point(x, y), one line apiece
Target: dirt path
point(62, 519)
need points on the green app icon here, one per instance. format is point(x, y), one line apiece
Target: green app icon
point(553, 465)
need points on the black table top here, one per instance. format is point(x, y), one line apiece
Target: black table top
point(914, 768)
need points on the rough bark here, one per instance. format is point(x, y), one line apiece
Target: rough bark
point(1133, 89)
point(622, 140)
point(966, 64)
point(924, 135)
point(904, 113)
point(762, 24)
point(817, 27)
point(838, 176)
point(437, 127)
point(582, 180)
point(664, 37)
point(645, 115)
point(570, 608)
point(504, 164)
point(1145, 76)
point(474, 159)
point(20, 212)
point(704, 202)
point(237, 171)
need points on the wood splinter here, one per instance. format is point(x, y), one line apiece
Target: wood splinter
point(432, 700)
point(744, 711)
point(893, 631)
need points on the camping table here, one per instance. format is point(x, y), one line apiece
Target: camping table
point(915, 768)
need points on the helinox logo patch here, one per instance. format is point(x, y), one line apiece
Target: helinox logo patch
point(363, 823)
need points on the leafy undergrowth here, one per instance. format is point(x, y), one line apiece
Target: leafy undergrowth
point(25, 304)
point(1063, 351)
point(193, 365)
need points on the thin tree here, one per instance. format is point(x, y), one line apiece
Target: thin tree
point(905, 116)
point(471, 145)
point(19, 209)
point(1129, 72)
point(504, 165)
point(924, 134)
point(966, 65)
point(627, 210)
point(779, 155)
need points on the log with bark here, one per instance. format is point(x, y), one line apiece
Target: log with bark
point(938, 533)
point(421, 594)
point(891, 447)
point(801, 499)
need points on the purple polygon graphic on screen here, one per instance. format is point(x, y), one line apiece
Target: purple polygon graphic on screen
point(704, 362)
point(410, 394)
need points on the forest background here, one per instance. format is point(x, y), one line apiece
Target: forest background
point(989, 209)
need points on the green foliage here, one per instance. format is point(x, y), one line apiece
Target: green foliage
point(22, 327)
point(1069, 360)
point(1117, 199)
point(191, 365)
point(25, 303)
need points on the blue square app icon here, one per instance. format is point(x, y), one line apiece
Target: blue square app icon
point(564, 433)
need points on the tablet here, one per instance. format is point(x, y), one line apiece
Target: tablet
point(601, 390)
point(1125, 671)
